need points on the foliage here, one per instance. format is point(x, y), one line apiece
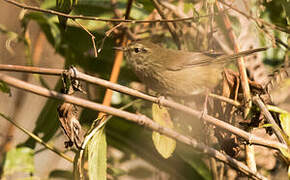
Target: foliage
point(19, 160)
point(75, 45)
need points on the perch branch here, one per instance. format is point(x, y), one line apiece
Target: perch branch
point(142, 120)
point(251, 138)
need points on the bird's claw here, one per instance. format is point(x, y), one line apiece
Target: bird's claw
point(160, 99)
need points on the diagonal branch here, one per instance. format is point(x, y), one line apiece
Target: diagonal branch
point(169, 25)
point(251, 138)
point(36, 138)
point(269, 117)
point(139, 119)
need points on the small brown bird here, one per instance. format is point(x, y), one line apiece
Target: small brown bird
point(175, 72)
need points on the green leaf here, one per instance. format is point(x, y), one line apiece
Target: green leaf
point(278, 11)
point(97, 156)
point(48, 26)
point(4, 88)
point(285, 123)
point(146, 4)
point(164, 145)
point(19, 160)
point(267, 125)
point(284, 117)
point(275, 109)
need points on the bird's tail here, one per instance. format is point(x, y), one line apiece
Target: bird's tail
point(231, 57)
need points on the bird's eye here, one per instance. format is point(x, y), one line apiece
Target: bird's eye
point(137, 50)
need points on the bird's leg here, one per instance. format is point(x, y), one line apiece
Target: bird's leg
point(160, 99)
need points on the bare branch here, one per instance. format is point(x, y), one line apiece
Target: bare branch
point(251, 138)
point(139, 119)
point(244, 81)
point(33, 8)
point(258, 21)
point(92, 37)
point(269, 117)
point(36, 138)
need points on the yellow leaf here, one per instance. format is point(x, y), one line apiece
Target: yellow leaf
point(164, 145)
point(285, 122)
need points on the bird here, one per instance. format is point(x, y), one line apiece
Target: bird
point(176, 72)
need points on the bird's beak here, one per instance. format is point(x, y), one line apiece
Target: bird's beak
point(119, 48)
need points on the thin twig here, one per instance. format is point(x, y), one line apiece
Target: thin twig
point(33, 8)
point(169, 25)
point(251, 138)
point(139, 119)
point(107, 34)
point(36, 138)
point(258, 21)
point(92, 36)
point(108, 94)
point(225, 99)
point(117, 64)
point(244, 81)
point(241, 63)
point(269, 117)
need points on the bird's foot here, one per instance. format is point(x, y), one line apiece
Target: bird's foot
point(160, 100)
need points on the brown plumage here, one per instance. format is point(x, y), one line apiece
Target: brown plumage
point(176, 72)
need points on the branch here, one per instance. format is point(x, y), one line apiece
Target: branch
point(117, 63)
point(258, 21)
point(241, 63)
point(244, 81)
point(33, 8)
point(251, 138)
point(36, 138)
point(170, 26)
point(139, 119)
point(225, 99)
point(92, 37)
point(269, 117)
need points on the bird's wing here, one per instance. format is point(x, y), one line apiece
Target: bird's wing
point(191, 59)
point(187, 60)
